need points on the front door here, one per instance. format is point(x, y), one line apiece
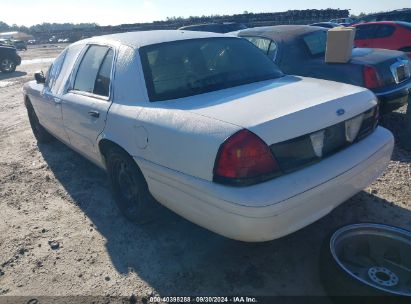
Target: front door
point(48, 106)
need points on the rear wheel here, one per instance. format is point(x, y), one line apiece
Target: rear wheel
point(41, 134)
point(7, 65)
point(129, 187)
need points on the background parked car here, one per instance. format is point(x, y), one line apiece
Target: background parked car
point(397, 15)
point(392, 35)
point(215, 27)
point(326, 24)
point(6, 42)
point(20, 45)
point(210, 127)
point(300, 50)
point(343, 21)
point(9, 59)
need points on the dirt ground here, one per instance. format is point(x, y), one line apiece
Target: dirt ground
point(61, 234)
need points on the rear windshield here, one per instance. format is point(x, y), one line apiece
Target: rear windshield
point(189, 67)
point(316, 42)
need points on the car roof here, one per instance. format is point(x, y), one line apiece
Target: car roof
point(377, 23)
point(143, 38)
point(283, 32)
point(207, 24)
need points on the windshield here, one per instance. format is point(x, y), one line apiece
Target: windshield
point(316, 42)
point(190, 67)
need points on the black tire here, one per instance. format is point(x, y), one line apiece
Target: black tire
point(40, 133)
point(7, 65)
point(343, 288)
point(129, 187)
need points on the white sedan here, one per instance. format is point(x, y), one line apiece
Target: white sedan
point(208, 126)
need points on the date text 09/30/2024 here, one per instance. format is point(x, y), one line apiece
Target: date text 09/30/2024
point(203, 299)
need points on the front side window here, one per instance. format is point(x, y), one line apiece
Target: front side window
point(93, 75)
point(316, 42)
point(55, 69)
point(189, 67)
point(365, 32)
point(383, 31)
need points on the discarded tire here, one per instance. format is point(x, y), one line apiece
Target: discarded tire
point(369, 263)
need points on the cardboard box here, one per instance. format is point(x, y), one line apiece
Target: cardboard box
point(340, 42)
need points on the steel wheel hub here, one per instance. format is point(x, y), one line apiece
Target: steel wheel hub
point(383, 276)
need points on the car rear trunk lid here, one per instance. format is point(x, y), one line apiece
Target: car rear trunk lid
point(283, 109)
point(392, 66)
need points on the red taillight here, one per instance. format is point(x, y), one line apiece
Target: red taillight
point(244, 158)
point(409, 55)
point(371, 78)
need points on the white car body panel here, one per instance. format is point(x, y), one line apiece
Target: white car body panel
point(295, 105)
point(175, 142)
point(278, 207)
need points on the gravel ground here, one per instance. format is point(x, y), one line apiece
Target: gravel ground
point(61, 234)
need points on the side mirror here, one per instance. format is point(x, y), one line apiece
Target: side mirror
point(39, 76)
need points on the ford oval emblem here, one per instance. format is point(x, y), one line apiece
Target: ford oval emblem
point(340, 112)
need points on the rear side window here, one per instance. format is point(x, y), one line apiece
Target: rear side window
point(316, 42)
point(384, 30)
point(262, 43)
point(272, 50)
point(93, 75)
point(266, 45)
point(102, 84)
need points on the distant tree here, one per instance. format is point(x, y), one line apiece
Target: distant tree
point(4, 26)
point(361, 15)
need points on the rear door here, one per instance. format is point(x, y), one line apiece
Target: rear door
point(87, 101)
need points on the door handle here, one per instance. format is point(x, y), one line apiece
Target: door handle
point(93, 113)
point(57, 100)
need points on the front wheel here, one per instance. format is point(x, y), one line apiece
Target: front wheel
point(41, 134)
point(129, 187)
point(7, 65)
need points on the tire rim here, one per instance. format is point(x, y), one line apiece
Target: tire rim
point(7, 65)
point(376, 255)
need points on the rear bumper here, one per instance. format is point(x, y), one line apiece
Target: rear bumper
point(395, 98)
point(278, 207)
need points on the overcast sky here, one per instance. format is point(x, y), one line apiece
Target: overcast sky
point(113, 12)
